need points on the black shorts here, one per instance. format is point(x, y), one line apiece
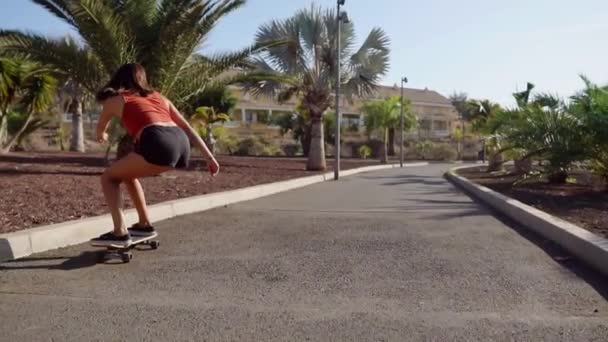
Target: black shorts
point(164, 146)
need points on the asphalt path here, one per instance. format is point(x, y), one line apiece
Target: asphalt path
point(397, 255)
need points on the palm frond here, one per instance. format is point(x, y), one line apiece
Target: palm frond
point(59, 8)
point(64, 55)
point(105, 32)
point(39, 90)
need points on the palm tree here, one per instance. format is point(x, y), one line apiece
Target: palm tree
point(305, 65)
point(483, 114)
point(28, 87)
point(384, 115)
point(203, 118)
point(161, 35)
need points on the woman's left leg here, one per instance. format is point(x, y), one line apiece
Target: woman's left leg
point(130, 167)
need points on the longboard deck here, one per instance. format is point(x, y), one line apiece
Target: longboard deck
point(124, 252)
point(134, 242)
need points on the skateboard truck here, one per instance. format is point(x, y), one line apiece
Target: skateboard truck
point(124, 253)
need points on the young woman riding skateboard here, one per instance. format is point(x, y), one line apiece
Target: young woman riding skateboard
point(162, 142)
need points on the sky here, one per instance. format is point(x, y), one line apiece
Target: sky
point(485, 48)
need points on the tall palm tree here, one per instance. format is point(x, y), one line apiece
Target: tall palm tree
point(27, 86)
point(384, 115)
point(162, 35)
point(305, 65)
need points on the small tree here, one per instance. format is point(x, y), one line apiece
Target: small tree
point(29, 87)
point(202, 119)
point(298, 123)
point(591, 106)
point(383, 115)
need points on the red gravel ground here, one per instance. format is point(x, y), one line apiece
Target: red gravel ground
point(576, 203)
point(40, 189)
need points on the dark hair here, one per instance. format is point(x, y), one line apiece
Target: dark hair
point(130, 77)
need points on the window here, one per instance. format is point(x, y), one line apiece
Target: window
point(351, 122)
point(425, 124)
point(440, 125)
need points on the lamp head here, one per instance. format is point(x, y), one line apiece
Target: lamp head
point(344, 17)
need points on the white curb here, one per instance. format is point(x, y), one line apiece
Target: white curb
point(35, 240)
point(581, 243)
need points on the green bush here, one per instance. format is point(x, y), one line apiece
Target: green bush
point(291, 150)
point(249, 146)
point(443, 152)
point(423, 149)
point(225, 143)
point(365, 151)
point(257, 146)
point(428, 150)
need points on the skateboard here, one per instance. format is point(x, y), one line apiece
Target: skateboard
point(124, 253)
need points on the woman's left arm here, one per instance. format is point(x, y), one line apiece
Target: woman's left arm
point(108, 111)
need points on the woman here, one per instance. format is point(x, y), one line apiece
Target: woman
point(162, 142)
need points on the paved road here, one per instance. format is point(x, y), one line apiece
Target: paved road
point(386, 256)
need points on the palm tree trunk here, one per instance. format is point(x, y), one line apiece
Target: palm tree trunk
point(384, 158)
point(391, 141)
point(3, 128)
point(77, 143)
point(7, 147)
point(210, 140)
point(305, 140)
point(316, 156)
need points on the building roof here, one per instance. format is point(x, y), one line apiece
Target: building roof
point(414, 95)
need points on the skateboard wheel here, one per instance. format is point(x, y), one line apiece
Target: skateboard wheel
point(154, 244)
point(126, 257)
point(101, 257)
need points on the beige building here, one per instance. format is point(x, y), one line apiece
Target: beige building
point(436, 115)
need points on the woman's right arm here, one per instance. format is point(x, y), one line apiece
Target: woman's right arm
point(181, 122)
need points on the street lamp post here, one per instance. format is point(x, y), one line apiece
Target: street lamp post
point(403, 80)
point(341, 17)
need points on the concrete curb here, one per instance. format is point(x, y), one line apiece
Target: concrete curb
point(581, 243)
point(29, 241)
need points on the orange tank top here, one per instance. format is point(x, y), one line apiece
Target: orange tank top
point(140, 111)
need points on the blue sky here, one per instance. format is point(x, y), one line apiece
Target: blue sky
point(484, 48)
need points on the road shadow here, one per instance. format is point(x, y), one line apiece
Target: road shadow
point(399, 177)
point(408, 179)
point(569, 262)
point(61, 263)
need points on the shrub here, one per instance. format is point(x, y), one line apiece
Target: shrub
point(257, 146)
point(248, 147)
point(443, 152)
point(291, 150)
point(225, 143)
point(365, 151)
point(423, 149)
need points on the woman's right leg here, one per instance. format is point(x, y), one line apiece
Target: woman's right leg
point(136, 193)
point(132, 166)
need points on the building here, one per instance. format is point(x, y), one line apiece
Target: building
point(436, 115)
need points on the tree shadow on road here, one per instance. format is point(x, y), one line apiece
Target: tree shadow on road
point(445, 210)
point(62, 263)
point(577, 268)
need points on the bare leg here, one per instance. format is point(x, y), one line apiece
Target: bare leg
point(130, 167)
point(136, 192)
